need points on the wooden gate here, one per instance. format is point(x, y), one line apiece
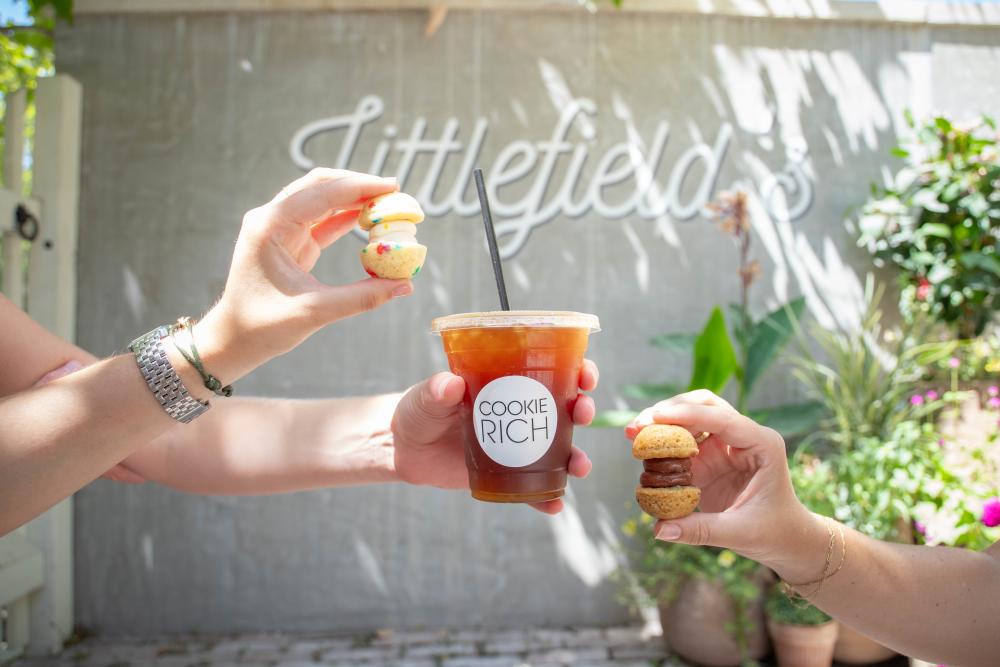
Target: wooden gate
point(39, 274)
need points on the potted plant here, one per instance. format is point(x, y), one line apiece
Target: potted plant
point(803, 636)
point(710, 600)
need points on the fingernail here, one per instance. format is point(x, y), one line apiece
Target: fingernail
point(438, 387)
point(391, 180)
point(668, 532)
point(71, 366)
point(403, 290)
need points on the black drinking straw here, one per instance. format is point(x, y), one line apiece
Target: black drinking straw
point(491, 238)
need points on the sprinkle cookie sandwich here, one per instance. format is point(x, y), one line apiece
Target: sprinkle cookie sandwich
point(391, 222)
point(665, 490)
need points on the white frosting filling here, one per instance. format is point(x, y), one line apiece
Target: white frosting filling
point(393, 232)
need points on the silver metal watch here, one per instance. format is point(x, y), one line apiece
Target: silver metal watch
point(162, 379)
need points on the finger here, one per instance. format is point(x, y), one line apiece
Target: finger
point(641, 421)
point(589, 375)
point(583, 410)
point(122, 474)
point(62, 371)
point(703, 529)
point(549, 506)
point(332, 303)
point(735, 429)
point(333, 227)
point(580, 464)
point(311, 178)
point(428, 404)
point(444, 392)
point(696, 397)
point(317, 200)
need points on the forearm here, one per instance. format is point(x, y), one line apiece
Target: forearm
point(258, 446)
point(57, 438)
point(935, 603)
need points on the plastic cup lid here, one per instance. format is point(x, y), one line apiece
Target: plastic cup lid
point(517, 318)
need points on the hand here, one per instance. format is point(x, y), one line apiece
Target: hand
point(747, 500)
point(121, 472)
point(272, 302)
point(427, 433)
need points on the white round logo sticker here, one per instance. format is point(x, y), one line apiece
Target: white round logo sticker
point(515, 420)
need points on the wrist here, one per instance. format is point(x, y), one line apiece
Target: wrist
point(802, 555)
point(224, 353)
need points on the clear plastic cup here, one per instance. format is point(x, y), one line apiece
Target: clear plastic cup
point(522, 373)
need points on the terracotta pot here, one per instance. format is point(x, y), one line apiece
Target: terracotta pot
point(855, 648)
point(694, 625)
point(803, 645)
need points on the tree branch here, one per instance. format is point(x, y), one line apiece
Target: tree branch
point(11, 29)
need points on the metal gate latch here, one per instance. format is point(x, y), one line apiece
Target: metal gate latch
point(27, 224)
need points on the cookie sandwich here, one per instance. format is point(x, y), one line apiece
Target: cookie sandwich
point(665, 488)
point(391, 222)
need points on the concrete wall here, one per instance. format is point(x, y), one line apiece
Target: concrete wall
point(188, 122)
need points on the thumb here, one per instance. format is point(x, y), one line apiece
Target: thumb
point(342, 301)
point(426, 405)
point(701, 529)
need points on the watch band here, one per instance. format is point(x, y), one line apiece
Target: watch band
point(162, 379)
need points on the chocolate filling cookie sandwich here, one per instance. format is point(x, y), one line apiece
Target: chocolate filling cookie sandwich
point(665, 488)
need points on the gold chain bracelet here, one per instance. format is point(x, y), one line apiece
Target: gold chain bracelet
point(792, 590)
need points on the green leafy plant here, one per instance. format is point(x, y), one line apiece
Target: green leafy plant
point(875, 486)
point(901, 489)
point(26, 55)
point(26, 49)
point(954, 508)
point(972, 361)
point(865, 379)
point(939, 223)
point(658, 571)
point(784, 610)
point(722, 353)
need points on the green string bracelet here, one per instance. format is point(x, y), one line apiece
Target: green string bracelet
point(212, 383)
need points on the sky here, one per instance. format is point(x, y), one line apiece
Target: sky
point(10, 10)
point(16, 10)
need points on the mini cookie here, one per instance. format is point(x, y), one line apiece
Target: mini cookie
point(658, 441)
point(393, 207)
point(673, 502)
point(393, 260)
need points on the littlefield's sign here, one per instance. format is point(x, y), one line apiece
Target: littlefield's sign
point(787, 194)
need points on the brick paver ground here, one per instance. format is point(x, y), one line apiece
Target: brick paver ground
point(582, 647)
point(578, 647)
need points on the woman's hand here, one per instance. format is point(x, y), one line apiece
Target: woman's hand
point(747, 500)
point(428, 440)
point(272, 302)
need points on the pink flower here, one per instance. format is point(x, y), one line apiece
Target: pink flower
point(994, 402)
point(932, 395)
point(993, 390)
point(920, 528)
point(923, 289)
point(941, 442)
point(916, 399)
point(954, 362)
point(991, 513)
